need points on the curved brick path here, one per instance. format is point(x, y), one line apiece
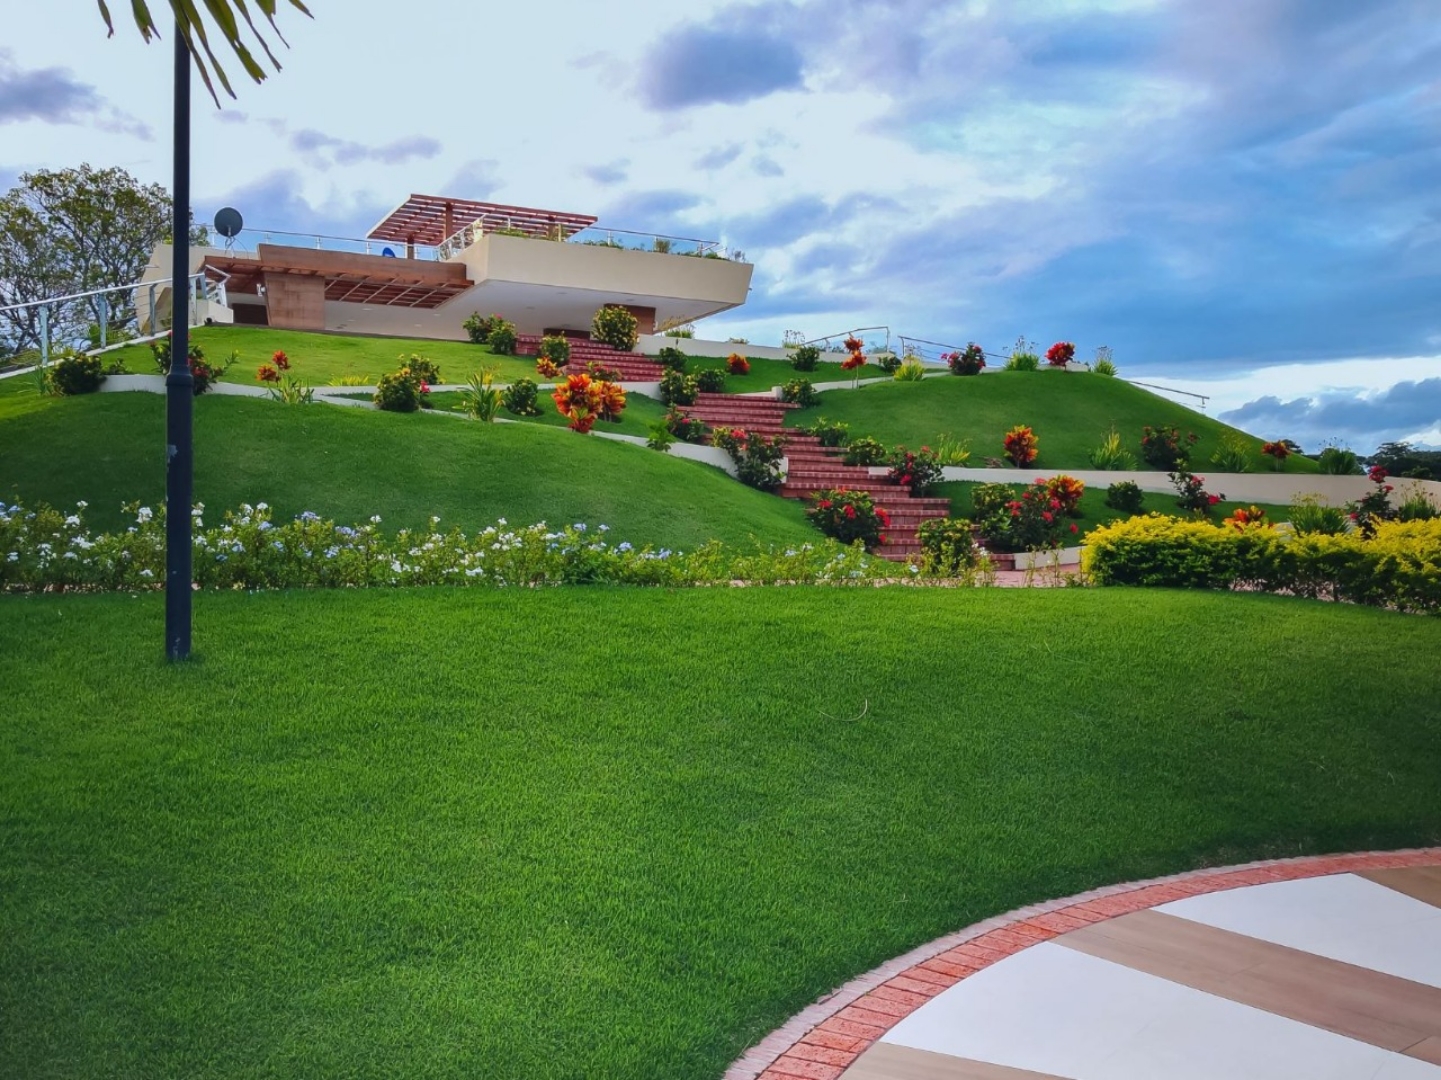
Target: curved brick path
point(824, 1040)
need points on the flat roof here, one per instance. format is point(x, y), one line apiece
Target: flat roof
point(423, 219)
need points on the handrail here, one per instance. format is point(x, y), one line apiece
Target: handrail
point(319, 238)
point(469, 233)
point(849, 333)
point(1169, 390)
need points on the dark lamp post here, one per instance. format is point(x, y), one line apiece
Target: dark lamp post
point(179, 386)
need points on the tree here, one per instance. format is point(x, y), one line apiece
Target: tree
point(227, 17)
point(71, 231)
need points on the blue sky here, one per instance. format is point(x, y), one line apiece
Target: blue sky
point(1237, 196)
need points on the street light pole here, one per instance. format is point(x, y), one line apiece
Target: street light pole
point(179, 385)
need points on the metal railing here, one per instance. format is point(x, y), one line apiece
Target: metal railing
point(323, 242)
point(88, 320)
point(833, 342)
point(592, 235)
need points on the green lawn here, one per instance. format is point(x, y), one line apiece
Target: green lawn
point(351, 463)
point(1095, 512)
point(640, 412)
point(326, 359)
point(1069, 412)
point(765, 373)
point(585, 833)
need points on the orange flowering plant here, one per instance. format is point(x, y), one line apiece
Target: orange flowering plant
point(1021, 446)
point(1251, 517)
point(267, 374)
point(1067, 491)
point(1277, 451)
point(545, 367)
point(737, 364)
point(583, 400)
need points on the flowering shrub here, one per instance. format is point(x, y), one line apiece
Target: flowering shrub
point(986, 499)
point(615, 326)
point(502, 337)
point(47, 549)
point(478, 327)
point(865, 451)
point(737, 364)
point(518, 398)
point(1278, 452)
point(678, 389)
point(555, 348)
point(202, 371)
point(481, 398)
point(1398, 566)
point(583, 400)
point(400, 391)
point(854, 344)
point(685, 427)
point(599, 372)
point(280, 360)
point(848, 516)
point(1033, 522)
point(74, 373)
point(671, 358)
point(1125, 496)
point(1375, 506)
point(1191, 493)
point(948, 547)
point(546, 368)
point(266, 373)
point(920, 471)
point(806, 357)
point(1060, 354)
point(1067, 490)
point(427, 371)
point(1021, 446)
point(1164, 449)
point(970, 361)
point(800, 391)
point(757, 457)
point(1251, 517)
point(710, 381)
point(829, 432)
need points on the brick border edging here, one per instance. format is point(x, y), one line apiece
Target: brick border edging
point(821, 1041)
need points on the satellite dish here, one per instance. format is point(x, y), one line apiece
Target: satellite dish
point(387, 253)
point(228, 224)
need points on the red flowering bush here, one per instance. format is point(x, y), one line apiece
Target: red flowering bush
point(1060, 354)
point(280, 360)
point(1191, 493)
point(737, 364)
point(971, 361)
point(685, 427)
point(1164, 449)
point(1375, 506)
point(201, 370)
point(583, 400)
point(855, 345)
point(849, 516)
point(1377, 474)
point(1032, 522)
point(1278, 452)
point(919, 471)
point(1021, 446)
point(267, 374)
point(1067, 492)
point(757, 457)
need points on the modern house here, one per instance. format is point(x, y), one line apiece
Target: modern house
point(434, 260)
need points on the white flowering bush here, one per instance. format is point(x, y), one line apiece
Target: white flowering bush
point(45, 548)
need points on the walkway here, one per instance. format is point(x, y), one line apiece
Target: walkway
point(1323, 968)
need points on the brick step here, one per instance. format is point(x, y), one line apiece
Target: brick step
point(707, 396)
point(724, 413)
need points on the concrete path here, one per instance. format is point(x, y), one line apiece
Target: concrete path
point(1310, 969)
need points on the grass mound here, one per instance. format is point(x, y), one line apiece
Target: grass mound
point(578, 832)
point(1069, 412)
point(348, 464)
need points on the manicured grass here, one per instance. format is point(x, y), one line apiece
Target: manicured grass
point(765, 373)
point(640, 412)
point(351, 463)
point(580, 833)
point(1093, 509)
point(325, 359)
point(1069, 412)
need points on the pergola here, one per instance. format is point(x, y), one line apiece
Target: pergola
point(434, 219)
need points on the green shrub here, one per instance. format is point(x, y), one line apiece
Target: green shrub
point(1023, 361)
point(1336, 461)
point(1105, 367)
point(658, 437)
point(1031, 522)
point(398, 391)
point(1234, 456)
point(849, 516)
point(710, 381)
point(478, 327)
point(1191, 493)
point(518, 398)
point(427, 371)
point(802, 392)
point(502, 338)
point(1165, 449)
point(910, 371)
point(615, 326)
point(204, 373)
point(806, 357)
point(481, 399)
point(684, 427)
point(986, 499)
point(918, 470)
point(1112, 455)
point(671, 358)
point(1399, 567)
point(948, 547)
point(757, 457)
point(1312, 514)
point(968, 361)
point(1125, 497)
point(678, 389)
point(1416, 506)
point(73, 373)
point(555, 348)
point(829, 432)
point(888, 362)
point(865, 451)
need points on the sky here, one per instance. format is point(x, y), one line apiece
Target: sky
point(1241, 198)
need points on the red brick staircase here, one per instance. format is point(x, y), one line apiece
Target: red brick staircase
point(813, 467)
point(632, 367)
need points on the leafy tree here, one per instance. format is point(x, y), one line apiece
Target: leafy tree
point(70, 231)
point(1403, 459)
point(226, 19)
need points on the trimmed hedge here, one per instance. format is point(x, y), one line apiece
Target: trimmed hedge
point(1399, 568)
